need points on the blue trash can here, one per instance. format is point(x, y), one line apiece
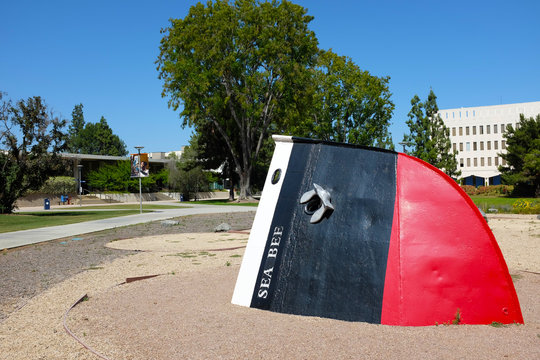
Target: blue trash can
point(47, 204)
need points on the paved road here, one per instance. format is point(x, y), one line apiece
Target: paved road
point(26, 237)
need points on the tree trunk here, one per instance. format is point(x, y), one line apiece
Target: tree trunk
point(231, 182)
point(245, 185)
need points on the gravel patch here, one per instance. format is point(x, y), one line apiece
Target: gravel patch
point(186, 312)
point(30, 270)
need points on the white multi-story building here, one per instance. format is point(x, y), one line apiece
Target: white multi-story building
point(166, 155)
point(476, 134)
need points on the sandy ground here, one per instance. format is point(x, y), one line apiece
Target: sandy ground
point(185, 313)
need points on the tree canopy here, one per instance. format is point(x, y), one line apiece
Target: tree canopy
point(187, 175)
point(31, 139)
point(99, 139)
point(241, 68)
point(523, 156)
point(93, 138)
point(59, 185)
point(75, 130)
point(349, 104)
point(429, 138)
point(117, 178)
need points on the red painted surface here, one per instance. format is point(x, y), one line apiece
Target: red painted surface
point(442, 256)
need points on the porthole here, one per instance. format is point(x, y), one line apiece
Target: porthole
point(276, 176)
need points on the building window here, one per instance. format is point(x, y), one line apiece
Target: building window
point(460, 131)
point(473, 113)
point(474, 130)
point(495, 128)
point(466, 130)
point(481, 161)
point(447, 115)
point(487, 129)
point(453, 131)
point(481, 130)
point(502, 128)
point(460, 146)
point(503, 162)
point(489, 161)
point(475, 162)
point(454, 147)
point(508, 126)
point(496, 145)
point(503, 144)
point(453, 116)
point(496, 161)
point(461, 164)
point(468, 162)
point(468, 146)
point(481, 145)
point(474, 146)
point(489, 145)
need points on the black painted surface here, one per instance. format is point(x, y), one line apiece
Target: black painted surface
point(335, 268)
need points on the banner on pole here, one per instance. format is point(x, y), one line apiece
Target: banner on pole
point(139, 165)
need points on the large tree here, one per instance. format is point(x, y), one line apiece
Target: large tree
point(99, 139)
point(523, 156)
point(76, 127)
point(209, 148)
point(187, 175)
point(93, 138)
point(349, 104)
point(31, 139)
point(241, 67)
point(429, 138)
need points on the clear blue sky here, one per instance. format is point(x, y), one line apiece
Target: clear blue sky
point(102, 53)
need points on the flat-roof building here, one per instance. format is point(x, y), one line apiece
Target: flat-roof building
point(91, 163)
point(476, 134)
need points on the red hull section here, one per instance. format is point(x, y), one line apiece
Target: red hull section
point(443, 258)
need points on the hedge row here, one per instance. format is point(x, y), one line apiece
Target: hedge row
point(494, 190)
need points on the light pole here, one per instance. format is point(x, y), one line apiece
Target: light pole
point(140, 183)
point(80, 184)
point(404, 144)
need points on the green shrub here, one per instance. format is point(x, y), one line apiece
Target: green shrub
point(59, 185)
point(117, 178)
point(494, 190)
point(469, 189)
point(491, 190)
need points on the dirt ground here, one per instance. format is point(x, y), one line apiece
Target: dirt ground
point(30, 270)
point(185, 313)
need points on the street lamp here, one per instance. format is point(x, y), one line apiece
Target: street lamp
point(406, 143)
point(79, 167)
point(140, 183)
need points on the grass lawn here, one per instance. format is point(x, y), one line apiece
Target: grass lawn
point(222, 202)
point(33, 220)
point(502, 204)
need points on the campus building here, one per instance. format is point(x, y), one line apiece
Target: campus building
point(476, 134)
point(83, 164)
point(166, 155)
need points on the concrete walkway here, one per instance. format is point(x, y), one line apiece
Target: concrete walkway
point(26, 237)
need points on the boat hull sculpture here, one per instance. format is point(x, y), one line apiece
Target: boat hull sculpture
point(364, 234)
